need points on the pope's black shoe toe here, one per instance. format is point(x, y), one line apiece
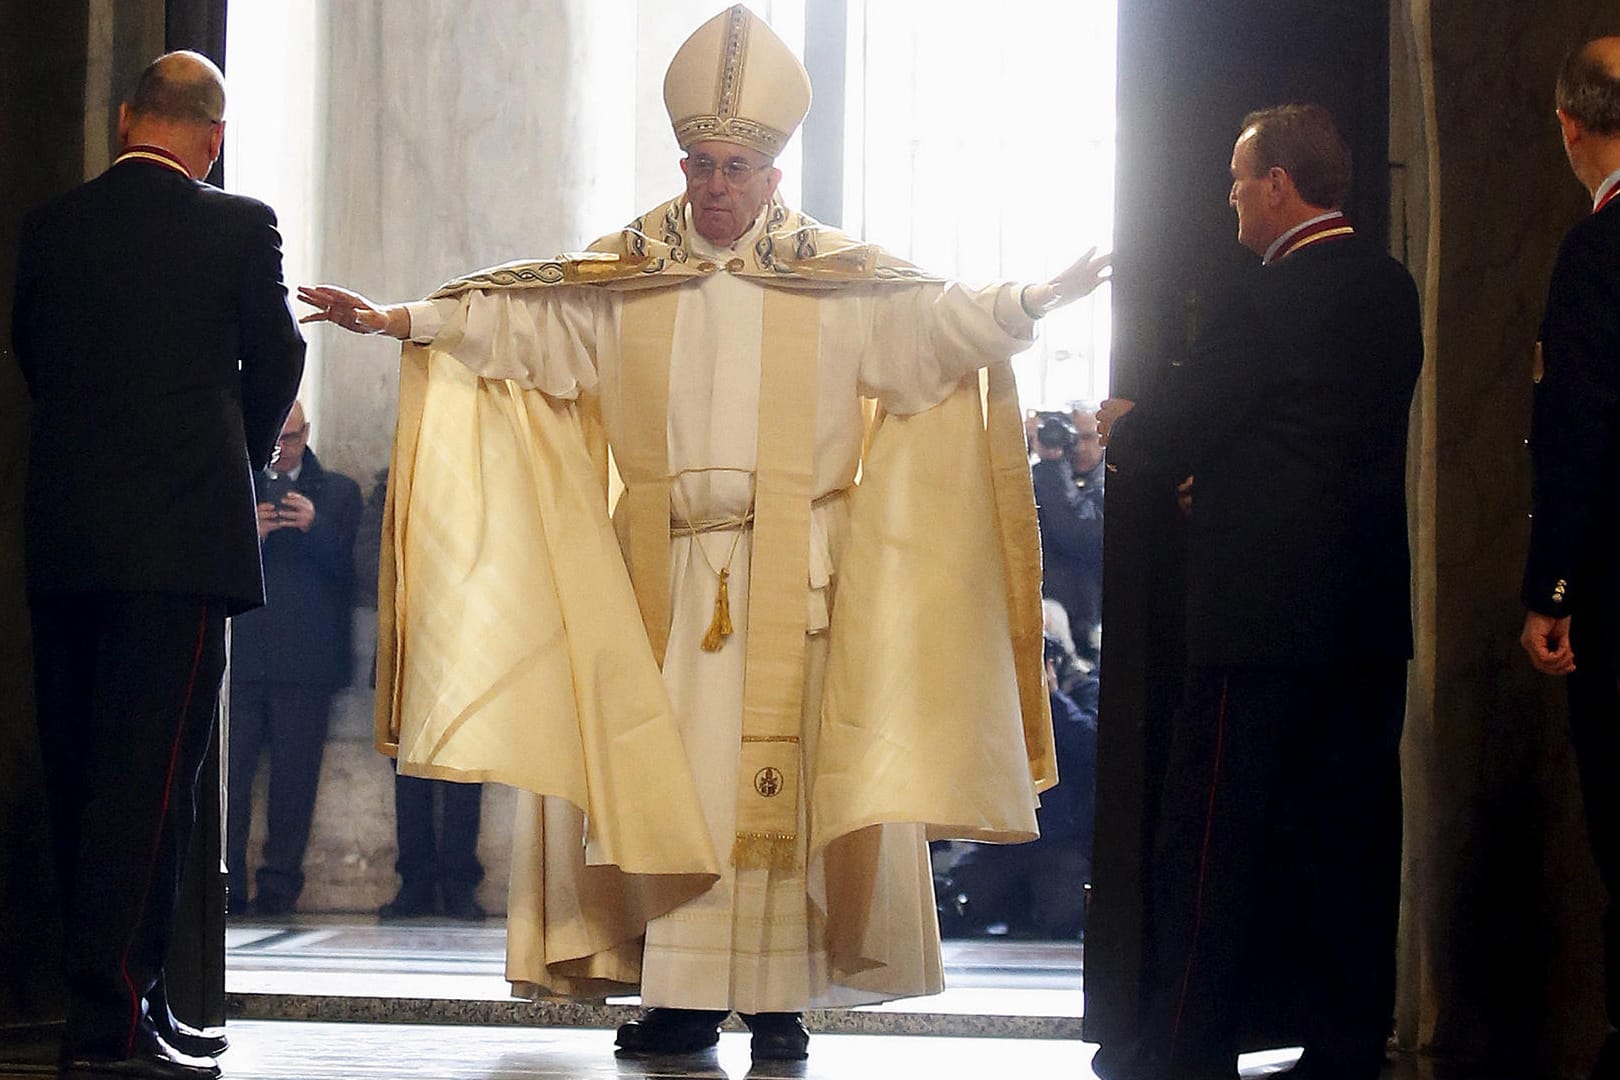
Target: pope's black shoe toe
point(671, 1031)
point(778, 1036)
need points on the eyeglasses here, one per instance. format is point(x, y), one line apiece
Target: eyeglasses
point(736, 171)
point(294, 435)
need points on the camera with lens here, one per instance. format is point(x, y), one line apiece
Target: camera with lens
point(1056, 432)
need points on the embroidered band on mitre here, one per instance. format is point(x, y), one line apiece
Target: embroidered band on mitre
point(736, 81)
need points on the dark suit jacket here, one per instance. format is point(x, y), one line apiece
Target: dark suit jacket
point(152, 327)
point(1291, 413)
point(302, 634)
point(1574, 451)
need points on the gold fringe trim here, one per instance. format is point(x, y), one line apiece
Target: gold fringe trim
point(765, 851)
point(720, 625)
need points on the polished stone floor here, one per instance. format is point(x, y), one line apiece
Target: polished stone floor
point(424, 972)
point(284, 1050)
point(427, 1000)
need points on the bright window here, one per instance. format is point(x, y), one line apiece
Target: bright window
point(980, 145)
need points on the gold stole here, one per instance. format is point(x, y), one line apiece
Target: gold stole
point(646, 332)
point(1021, 555)
point(770, 766)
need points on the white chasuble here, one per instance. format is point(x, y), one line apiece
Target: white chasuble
point(850, 918)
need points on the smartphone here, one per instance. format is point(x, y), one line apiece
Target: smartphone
point(274, 489)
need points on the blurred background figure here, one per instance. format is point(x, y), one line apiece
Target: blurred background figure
point(287, 660)
point(1069, 498)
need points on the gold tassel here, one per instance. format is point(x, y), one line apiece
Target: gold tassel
point(720, 625)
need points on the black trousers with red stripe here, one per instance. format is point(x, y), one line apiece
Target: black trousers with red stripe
point(127, 685)
point(1276, 869)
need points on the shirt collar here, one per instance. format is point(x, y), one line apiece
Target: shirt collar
point(1606, 190)
point(155, 154)
point(1281, 243)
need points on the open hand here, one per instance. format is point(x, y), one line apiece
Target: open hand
point(349, 310)
point(1083, 277)
point(1080, 279)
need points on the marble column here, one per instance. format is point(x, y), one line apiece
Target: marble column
point(447, 137)
point(457, 136)
point(1500, 941)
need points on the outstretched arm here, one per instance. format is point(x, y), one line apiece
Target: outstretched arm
point(353, 312)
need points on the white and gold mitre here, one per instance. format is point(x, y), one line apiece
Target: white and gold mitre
point(736, 81)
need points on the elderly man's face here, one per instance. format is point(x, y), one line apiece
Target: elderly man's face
point(727, 186)
point(292, 441)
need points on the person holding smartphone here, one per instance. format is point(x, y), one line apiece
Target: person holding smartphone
point(287, 660)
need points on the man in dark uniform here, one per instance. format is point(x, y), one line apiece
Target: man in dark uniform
point(1572, 578)
point(287, 661)
point(149, 314)
point(1291, 413)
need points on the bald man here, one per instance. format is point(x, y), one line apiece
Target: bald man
point(1571, 580)
point(152, 328)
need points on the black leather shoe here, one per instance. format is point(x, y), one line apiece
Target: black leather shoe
point(153, 1059)
point(197, 1042)
point(414, 900)
point(778, 1036)
point(671, 1031)
point(462, 904)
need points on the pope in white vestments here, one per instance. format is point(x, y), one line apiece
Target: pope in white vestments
point(807, 641)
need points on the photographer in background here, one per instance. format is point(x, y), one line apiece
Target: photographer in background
point(1086, 459)
point(287, 660)
point(1071, 524)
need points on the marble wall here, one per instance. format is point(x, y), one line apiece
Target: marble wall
point(457, 136)
point(1500, 935)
